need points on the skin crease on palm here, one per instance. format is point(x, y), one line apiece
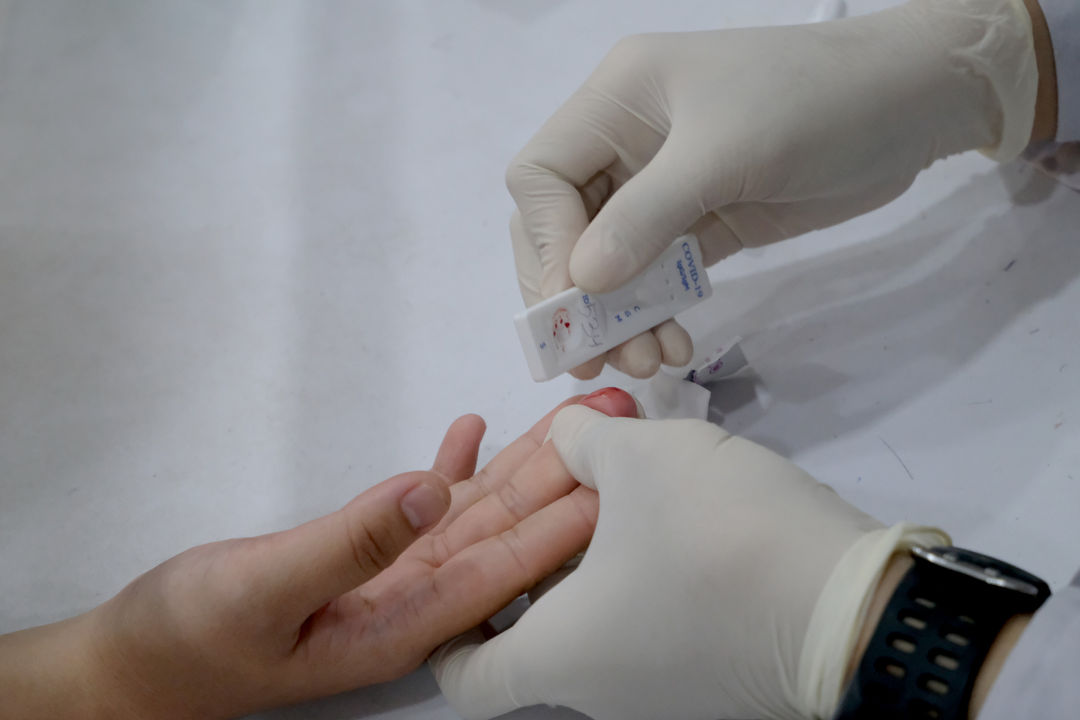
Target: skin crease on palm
point(235, 626)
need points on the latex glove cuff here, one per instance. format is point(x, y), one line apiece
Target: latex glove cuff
point(841, 609)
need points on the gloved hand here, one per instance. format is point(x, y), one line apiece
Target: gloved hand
point(750, 136)
point(722, 581)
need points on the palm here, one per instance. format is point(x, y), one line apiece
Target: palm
point(509, 525)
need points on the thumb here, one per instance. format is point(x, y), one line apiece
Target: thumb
point(325, 558)
point(638, 222)
point(589, 442)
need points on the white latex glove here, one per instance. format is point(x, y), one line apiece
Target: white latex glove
point(750, 136)
point(722, 581)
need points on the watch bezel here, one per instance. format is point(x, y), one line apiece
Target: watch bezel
point(985, 569)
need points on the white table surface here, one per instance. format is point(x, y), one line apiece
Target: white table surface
point(254, 259)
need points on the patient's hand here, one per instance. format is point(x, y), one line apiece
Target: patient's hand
point(359, 596)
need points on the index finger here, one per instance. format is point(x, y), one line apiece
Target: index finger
point(503, 466)
point(545, 180)
point(499, 469)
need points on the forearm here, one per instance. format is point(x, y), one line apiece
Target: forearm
point(898, 566)
point(45, 672)
point(1046, 103)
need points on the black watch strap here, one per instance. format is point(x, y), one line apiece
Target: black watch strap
point(933, 637)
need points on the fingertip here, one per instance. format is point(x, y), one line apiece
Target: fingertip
point(527, 261)
point(457, 454)
point(589, 370)
point(472, 424)
point(599, 262)
point(676, 347)
point(638, 357)
point(612, 401)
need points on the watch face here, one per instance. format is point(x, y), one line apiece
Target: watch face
point(987, 570)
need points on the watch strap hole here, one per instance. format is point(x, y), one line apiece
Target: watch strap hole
point(934, 684)
point(911, 619)
point(903, 643)
point(944, 659)
point(921, 710)
point(957, 639)
point(888, 666)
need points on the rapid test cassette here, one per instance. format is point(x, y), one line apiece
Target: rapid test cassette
point(573, 327)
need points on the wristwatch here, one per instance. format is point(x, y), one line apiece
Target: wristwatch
point(935, 633)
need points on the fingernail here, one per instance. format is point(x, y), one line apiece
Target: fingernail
point(612, 401)
point(602, 392)
point(423, 506)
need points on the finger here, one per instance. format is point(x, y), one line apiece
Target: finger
point(545, 176)
point(676, 347)
point(553, 217)
point(325, 558)
point(526, 253)
point(716, 239)
point(476, 677)
point(513, 485)
point(456, 459)
point(590, 369)
point(612, 402)
point(586, 442)
point(537, 484)
point(637, 357)
point(507, 564)
point(613, 455)
point(526, 260)
point(638, 222)
point(595, 193)
point(499, 469)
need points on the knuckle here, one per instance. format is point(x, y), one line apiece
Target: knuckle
point(484, 482)
point(370, 545)
point(513, 500)
point(515, 546)
point(514, 172)
point(522, 174)
point(440, 549)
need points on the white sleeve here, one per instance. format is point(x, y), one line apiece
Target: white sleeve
point(1060, 161)
point(1063, 21)
point(1039, 677)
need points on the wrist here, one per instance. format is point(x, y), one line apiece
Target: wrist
point(48, 672)
point(995, 660)
point(980, 75)
point(898, 566)
point(894, 572)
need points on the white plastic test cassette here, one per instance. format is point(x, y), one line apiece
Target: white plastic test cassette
point(573, 327)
